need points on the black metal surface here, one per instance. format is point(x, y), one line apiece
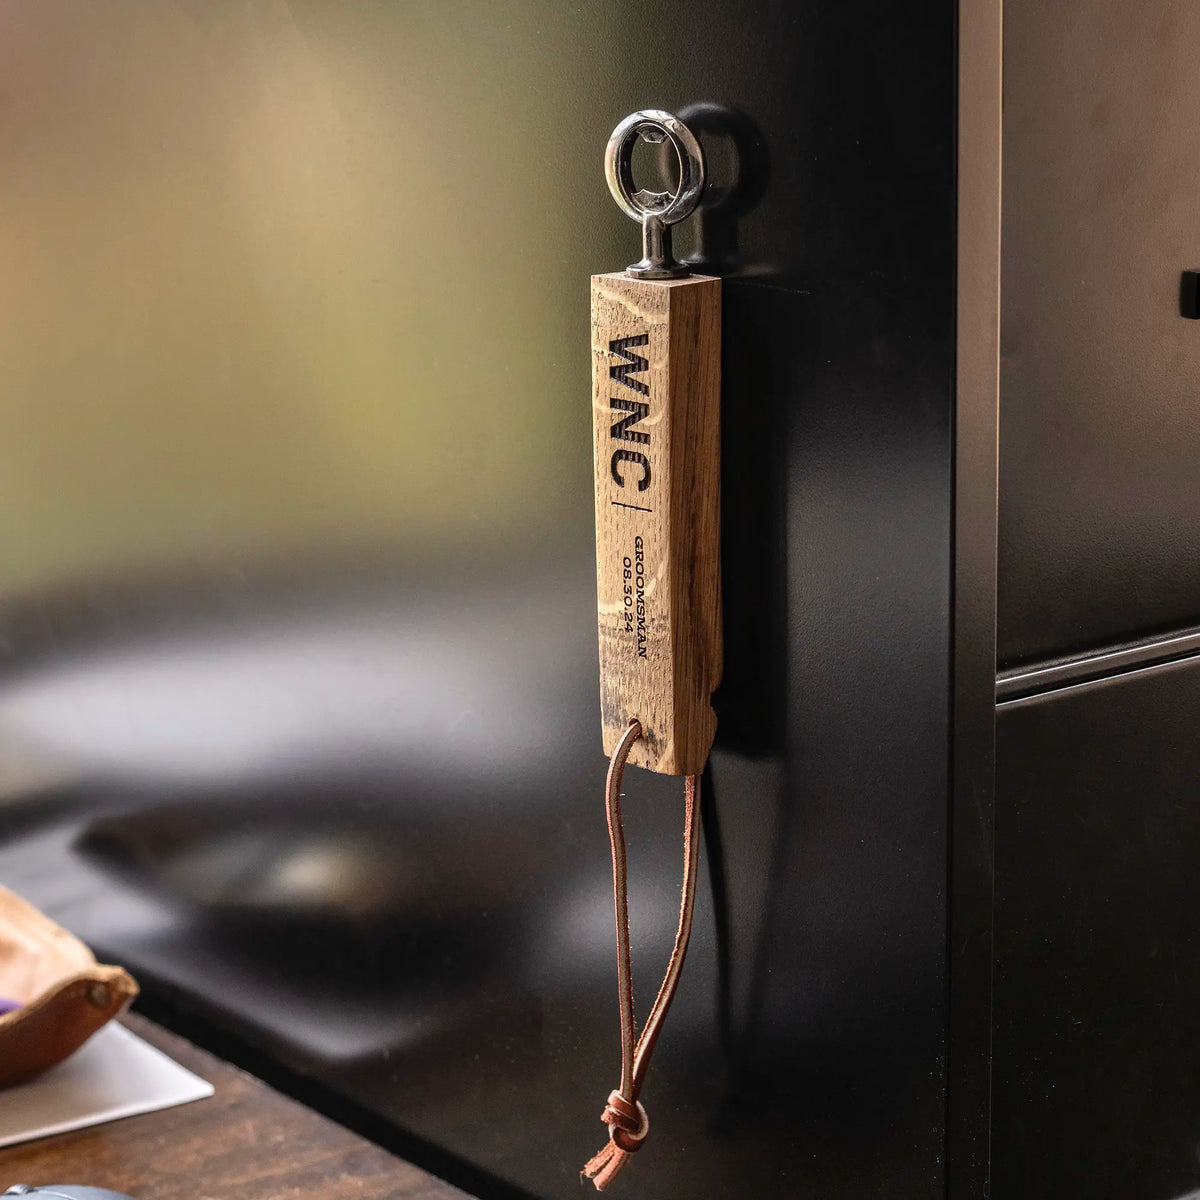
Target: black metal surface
point(1097, 1046)
point(1100, 432)
point(1082, 668)
point(1189, 295)
point(253, 664)
point(977, 337)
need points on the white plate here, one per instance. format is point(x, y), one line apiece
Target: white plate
point(115, 1074)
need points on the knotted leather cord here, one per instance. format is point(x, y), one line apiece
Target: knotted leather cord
point(624, 1115)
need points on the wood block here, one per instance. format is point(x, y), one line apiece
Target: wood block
point(656, 405)
point(247, 1143)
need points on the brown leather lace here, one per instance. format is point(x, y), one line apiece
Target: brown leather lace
point(624, 1115)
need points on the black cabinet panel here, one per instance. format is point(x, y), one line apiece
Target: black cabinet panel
point(298, 714)
point(1099, 429)
point(1097, 936)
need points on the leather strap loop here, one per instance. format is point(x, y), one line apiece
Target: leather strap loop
point(621, 1114)
point(628, 1124)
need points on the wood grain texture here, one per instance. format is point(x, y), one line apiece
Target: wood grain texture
point(656, 395)
point(247, 1142)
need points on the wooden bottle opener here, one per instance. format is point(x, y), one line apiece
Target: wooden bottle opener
point(656, 389)
point(656, 399)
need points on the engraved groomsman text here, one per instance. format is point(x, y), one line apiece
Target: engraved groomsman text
point(624, 430)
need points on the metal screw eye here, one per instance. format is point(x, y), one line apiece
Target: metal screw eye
point(655, 211)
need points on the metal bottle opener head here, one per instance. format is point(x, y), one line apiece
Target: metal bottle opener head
point(656, 211)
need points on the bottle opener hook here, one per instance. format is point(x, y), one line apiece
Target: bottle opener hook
point(656, 212)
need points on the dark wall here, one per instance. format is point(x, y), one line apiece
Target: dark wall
point(1095, 1041)
point(1098, 940)
point(299, 702)
point(1100, 430)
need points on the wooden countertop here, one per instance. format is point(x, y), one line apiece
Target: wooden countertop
point(247, 1142)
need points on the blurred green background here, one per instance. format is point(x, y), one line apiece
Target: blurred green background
point(261, 294)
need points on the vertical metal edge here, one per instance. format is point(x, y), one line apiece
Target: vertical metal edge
point(977, 371)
